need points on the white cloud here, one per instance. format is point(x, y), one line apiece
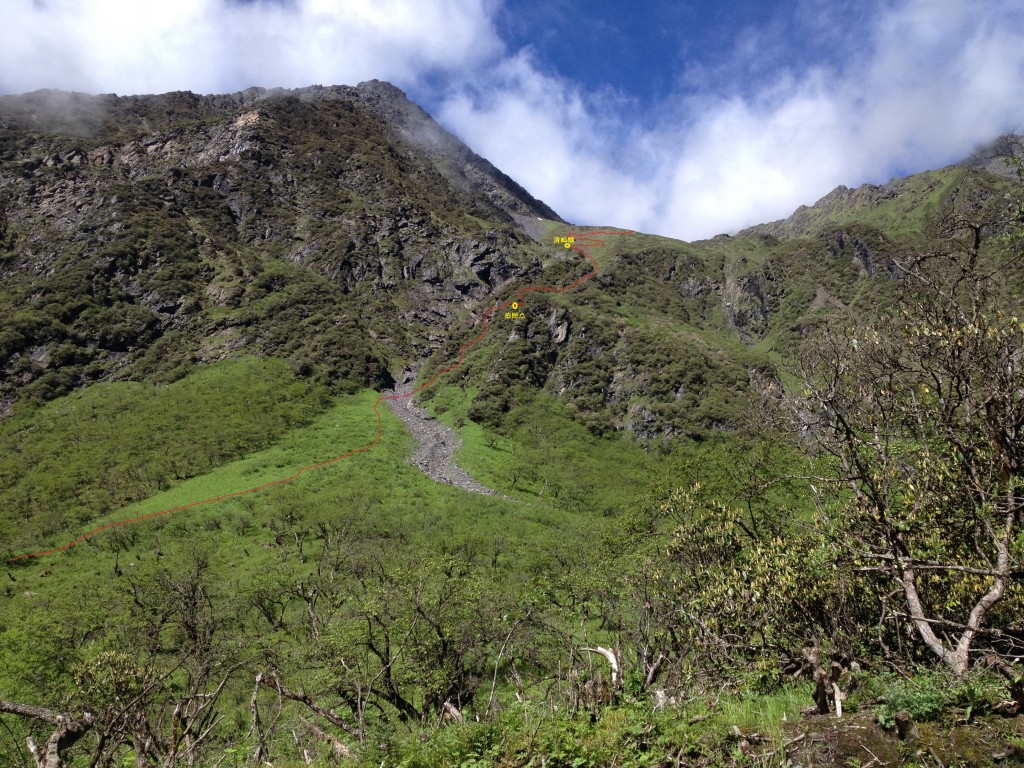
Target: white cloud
point(931, 80)
point(741, 161)
point(538, 129)
point(130, 46)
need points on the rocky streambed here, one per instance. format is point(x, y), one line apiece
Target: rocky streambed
point(436, 443)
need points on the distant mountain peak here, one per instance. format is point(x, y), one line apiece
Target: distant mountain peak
point(413, 126)
point(407, 124)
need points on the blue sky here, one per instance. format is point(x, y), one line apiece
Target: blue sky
point(670, 116)
point(653, 50)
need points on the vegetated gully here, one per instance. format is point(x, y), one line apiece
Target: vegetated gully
point(579, 242)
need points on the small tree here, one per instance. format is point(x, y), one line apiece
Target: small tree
point(922, 416)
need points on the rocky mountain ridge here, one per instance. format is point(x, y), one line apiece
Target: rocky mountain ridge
point(899, 199)
point(342, 230)
point(85, 115)
point(148, 234)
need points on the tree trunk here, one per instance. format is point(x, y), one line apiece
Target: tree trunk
point(69, 729)
point(614, 663)
point(959, 657)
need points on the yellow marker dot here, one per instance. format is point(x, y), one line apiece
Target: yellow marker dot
point(568, 245)
point(515, 305)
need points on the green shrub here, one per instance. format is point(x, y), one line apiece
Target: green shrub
point(929, 696)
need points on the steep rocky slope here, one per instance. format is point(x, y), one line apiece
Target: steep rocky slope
point(141, 235)
point(343, 230)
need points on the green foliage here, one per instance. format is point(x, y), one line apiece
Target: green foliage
point(921, 698)
point(40, 648)
point(934, 497)
point(112, 678)
point(528, 736)
point(95, 451)
point(742, 590)
point(932, 695)
point(929, 696)
point(364, 601)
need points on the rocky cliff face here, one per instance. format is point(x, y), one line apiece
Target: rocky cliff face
point(463, 168)
point(141, 235)
point(405, 124)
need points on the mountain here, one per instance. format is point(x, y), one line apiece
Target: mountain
point(142, 235)
point(343, 230)
point(85, 115)
point(464, 169)
point(911, 205)
point(223, 546)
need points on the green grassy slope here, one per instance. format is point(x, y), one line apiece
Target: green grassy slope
point(96, 450)
point(556, 471)
point(907, 208)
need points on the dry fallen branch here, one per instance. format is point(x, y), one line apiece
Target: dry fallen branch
point(338, 746)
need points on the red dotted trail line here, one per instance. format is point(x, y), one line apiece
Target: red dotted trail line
point(581, 241)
